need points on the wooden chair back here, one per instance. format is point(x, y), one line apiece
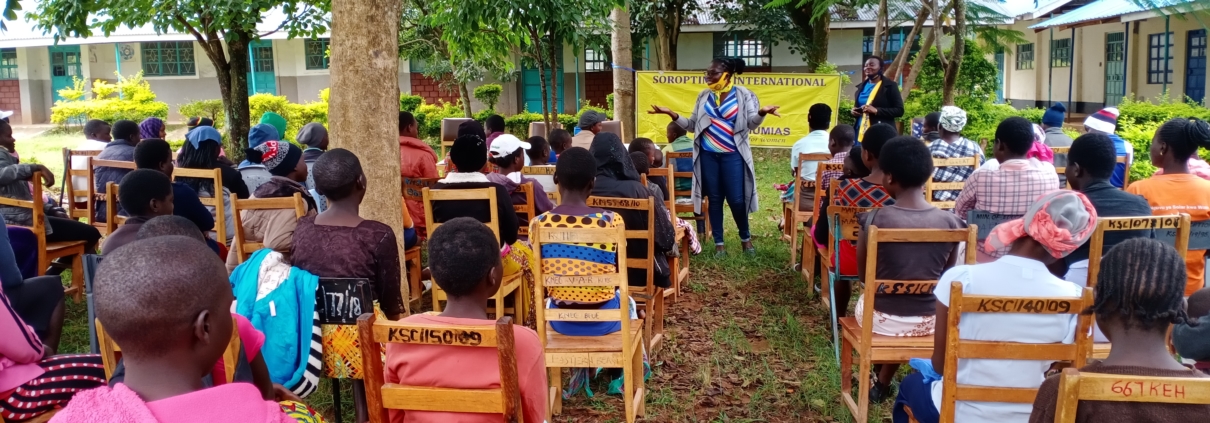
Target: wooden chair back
point(449, 131)
point(646, 205)
point(957, 348)
point(112, 219)
point(819, 179)
point(244, 248)
point(986, 221)
point(614, 127)
point(1075, 386)
point(678, 208)
point(801, 184)
point(543, 171)
point(430, 195)
point(1126, 174)
point(93, 163)
point(504, 401)
point(931, 186)
point(111, 351)
point(78, 189)
point(413, 187)
point(217, 201)
point(538, 129)
point(1178, 225)
point(527, 211)
point(667, 173)
point(1061, 151)
point(38, 223)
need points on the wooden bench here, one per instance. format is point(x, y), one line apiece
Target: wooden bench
point(381, 396)
point(651, 297)
point(792, 217)
point(49, 251)
point(622, 349)
point(1075, 386)
point(218, 202)
point(931, 186)
point(860, 338)
point(243, 247)
point(957, 348)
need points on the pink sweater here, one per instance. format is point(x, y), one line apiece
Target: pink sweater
point(233, 402)
point(20, 350)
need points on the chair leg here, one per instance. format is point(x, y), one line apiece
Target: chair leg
point(336, 400)
point(808, 262)
point(640, 383)
point(846, 371)
point(863, 383)
point(628, 391)
point(794, 245)
point(77, 277)
point(556, 390)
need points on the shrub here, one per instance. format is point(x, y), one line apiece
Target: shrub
point(489, 94)
point(137, 102)
point(102, 89)
point(74, 93)
point(519, 123)
point(429, 116)
point(212, 109)
point(407, 102)
point(609, 100)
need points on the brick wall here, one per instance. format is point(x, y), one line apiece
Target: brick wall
point(430, 89)
point(10, 98)
point(597, 85)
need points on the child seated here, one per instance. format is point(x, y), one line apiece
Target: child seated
point(643, 166)
point(907, 167)
point(1138, 295)
point(1192, 337)
point(1054, 226)
point(144, 194)
point(168, 306)
point(465, 260)
point(508, 153)
point(617, 178)
point(655, 159)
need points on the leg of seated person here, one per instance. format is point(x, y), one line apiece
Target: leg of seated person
point(916, 394)
point(39, 303)
point(409, 238)
point(63, 230)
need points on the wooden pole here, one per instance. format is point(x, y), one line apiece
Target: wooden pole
point(363, 112)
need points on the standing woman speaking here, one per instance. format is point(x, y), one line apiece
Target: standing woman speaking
point(877, 98)
point(722, 157)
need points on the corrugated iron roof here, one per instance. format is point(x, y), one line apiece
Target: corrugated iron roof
point(1102, 9)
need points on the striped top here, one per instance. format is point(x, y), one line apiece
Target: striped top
point(720, 136)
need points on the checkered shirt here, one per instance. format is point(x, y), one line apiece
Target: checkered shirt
point(959, 149)
point(859, 193)
point(829, 175)
point(1009, 188)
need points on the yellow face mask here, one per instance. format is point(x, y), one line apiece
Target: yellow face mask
point(722, 86)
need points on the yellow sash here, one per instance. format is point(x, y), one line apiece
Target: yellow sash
point(865, 120)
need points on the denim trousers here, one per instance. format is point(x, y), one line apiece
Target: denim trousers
point(723, 178)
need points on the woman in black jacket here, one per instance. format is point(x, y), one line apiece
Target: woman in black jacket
point(877, 98)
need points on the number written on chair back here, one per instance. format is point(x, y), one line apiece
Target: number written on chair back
point(342, 300)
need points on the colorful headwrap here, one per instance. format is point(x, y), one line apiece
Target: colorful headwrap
point(1060, 220)
point(150, 128)
point(1040, 150)
point(953, 119)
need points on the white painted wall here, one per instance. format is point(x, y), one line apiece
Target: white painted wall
point(694, 50)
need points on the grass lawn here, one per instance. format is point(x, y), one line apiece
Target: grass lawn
point(744, 342)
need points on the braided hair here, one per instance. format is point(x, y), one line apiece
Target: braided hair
point(1184, 136)
point(731, 65)
point(1142, 282)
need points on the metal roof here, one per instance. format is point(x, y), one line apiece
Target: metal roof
point(1103, 9)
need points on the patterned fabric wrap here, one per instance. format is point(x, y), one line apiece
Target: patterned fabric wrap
point(342, 349)
point(720, 136)
point(859, 193)
point(519, 259)
point(953, 119)
point(956, 150)
point(580, 259)
point(1060, 220)
point(300, 412)
point(892, 325)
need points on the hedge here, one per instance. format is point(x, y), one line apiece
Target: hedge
point(136, 102)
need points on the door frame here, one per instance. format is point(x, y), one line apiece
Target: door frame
point(260, 88)
point(1117, 97)
point(79, 67)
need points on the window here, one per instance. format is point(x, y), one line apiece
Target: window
point(596, 61)
point(1159, 54)
point(316, 52)
point(169, 58)
point(8, 63)
point(756, 53)
point(1060, 53)
point(893, 42)
point(1025, 56)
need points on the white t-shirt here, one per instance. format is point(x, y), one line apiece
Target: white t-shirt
point(814, 142)
point(81, 163)
point(1077, 273)
point(1007, 276)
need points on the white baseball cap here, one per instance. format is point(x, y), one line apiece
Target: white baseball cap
point(506, 144)
point(4, 114)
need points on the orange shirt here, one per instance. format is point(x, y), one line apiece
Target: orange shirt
point(443, 366)
point(416, 160)
point(1180, 193)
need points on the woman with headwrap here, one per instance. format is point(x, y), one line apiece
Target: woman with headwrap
point(953, 145)
point(273, 228)
point(617, 177)
point(878, 99)
point(722, 158)
point(1054, 226)
point(201, 152)
point(254, 173)
point(152, 127)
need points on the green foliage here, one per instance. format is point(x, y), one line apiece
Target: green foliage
point(297, 115)
point(519, 123)
point(137, 102)
point(974, 92)
point(429, 116)
point(829, 68)
point(609, 101)
point(843, 115)
point(489, 94)
point(212, 109)
point(1159, 111)
point(409, 103)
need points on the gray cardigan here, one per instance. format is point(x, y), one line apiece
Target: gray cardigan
point(14, 183)
point(747, 119)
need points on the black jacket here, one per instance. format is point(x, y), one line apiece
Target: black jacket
point(887, 100)
point(444, 211)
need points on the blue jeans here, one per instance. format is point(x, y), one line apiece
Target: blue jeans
point(723, 177)
point(918, 395)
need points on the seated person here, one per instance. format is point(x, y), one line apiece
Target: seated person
point(156, 154)
point(952, 145)
point(144, 194)
point(125, 138)
point(314, 138)
point(508, 153)
point(641, 166)
point(201, 151)
point(14, 183)
point(538, 152)
point(339, 243)
point(655, 159)
point(617, 178)
point(465, 260)
point(272, 227)
point(819, 118)
point(679, 142)
point(1190, 337)
point(37, 301)
point(1138, 295)
point(854, 168)
point(182, 327)
point(560, 141)
point(96, 136)
point(931, 129)
point(251, 169)
point(1054, 226)
point(416, 160)
point(907, 167)
point(33, 380)
point(152, 127)
point(176, 225)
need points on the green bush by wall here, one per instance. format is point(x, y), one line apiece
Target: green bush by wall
point(136, 102)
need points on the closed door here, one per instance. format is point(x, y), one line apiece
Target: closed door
point(531, 86)
point(64, 68)
point(999, 76)
point(1115, 68)
point(1195, 67)
point(261, 79)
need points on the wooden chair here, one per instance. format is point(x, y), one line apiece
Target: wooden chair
point(860, 337)
point(511, 285)
point(1075, 386)
point(845, 228)
point(538, 129)
point(809, 251)
point(413, 190)
point(449, 132)
point(527, 211)
point(111, 351)
point(49, 251)
point(958, 348)
point(217, 201)
point(614, 127)
point(680, 263)
point(931, 186)
point(792, 216)
point(622, 349)
point(542, 171)
point(243, 247)
point(412, 257)
point(381, 396)
point(986, 221)
point(1126, 174)
point(112, 219)
point(1062, 170)
point(73, 190)
point(93, 163)
point(678, 208)
point(652, 296)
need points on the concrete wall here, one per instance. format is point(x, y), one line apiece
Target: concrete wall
point(33, 76)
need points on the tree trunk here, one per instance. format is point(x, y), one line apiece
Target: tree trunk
point(363, 114)
point(815, 30)
point(213, 47)
point(555, 69)
point(537, 39)
point(239, 117)
point(466, 100)
point(910, 80)
point(678, 17)
point(955, 62)
point(896, 66)
point(663, 45)
point(880, 29)
point(623, 80)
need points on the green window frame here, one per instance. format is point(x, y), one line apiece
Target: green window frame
point(168, 58)
point(8, 63)
point(741, 44)
point(1025, 56)
point(1060, 53)
point(316, 52)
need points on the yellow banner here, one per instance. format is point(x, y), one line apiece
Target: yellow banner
point(794, 92)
